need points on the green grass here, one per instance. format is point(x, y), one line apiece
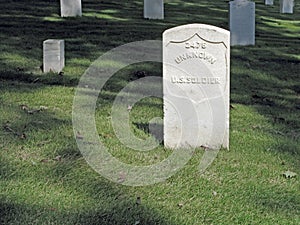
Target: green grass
point(45, 180)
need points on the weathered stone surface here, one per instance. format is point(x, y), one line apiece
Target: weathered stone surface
point(286, 6)
point(53, 55)
point(269, 2)
point(196, 60)
point(242, 22)
point(70, 8)
point(154, 9)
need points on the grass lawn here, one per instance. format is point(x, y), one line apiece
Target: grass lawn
point(45, 180)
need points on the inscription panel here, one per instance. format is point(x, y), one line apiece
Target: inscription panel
point(195, 80)
point(196, 86)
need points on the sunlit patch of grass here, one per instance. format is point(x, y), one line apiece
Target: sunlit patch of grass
point(103, 15)
point(53, 18)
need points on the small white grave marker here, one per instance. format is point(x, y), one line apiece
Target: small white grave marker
point(154, 9)
point(53, 55)
point(196, 60)
point(269, 2)
point(242, 22)
point(286, 6)
point(70, 8)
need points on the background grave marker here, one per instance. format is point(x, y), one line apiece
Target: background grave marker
point(70, 8)
point(242, 22)
point(53, 55)
point(154, 9)
point(287, 6)
point(269, 2)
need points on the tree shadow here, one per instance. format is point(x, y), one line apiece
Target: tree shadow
point(101, 28)
point(279, 201)
point(125, 213)
point(153, 129)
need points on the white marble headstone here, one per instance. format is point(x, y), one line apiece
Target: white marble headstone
point(286, 6)
point(269, 2)
point(242, 22)
point(196, 60)
point(53, 55)
point(70, 8)
point(154, 9)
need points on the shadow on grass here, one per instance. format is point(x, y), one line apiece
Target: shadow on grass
point(124, 213)
point(277, 200)
point(102, 27)
point(154, 129)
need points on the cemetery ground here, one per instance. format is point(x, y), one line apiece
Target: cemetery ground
point(45, 180)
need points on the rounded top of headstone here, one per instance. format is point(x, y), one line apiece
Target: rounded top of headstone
point(206, 32)
point(198, 26)
point(242, 2)
point(50, 41)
